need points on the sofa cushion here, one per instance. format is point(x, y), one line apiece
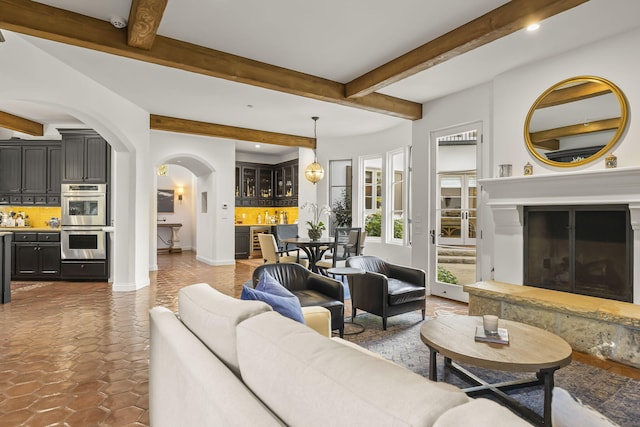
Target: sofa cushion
point(481, 413)
point(190, 386)
point(401, 292)
point(310, 380)
point(276, 295)
point(567, 410)
point(213, 316)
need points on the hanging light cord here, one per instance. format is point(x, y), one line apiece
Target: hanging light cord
point(315, 138)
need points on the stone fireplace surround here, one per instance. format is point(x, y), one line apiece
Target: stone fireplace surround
point(604, 328)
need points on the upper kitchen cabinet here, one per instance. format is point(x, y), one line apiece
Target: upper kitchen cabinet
point(85, 156)
point(286, 183)
point(254, 184)
point(10, 169)
point(267, 185)
point(29, 172)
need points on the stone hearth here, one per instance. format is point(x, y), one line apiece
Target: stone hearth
point(603, 328)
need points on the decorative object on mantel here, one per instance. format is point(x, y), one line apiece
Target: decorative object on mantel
point(528, 169)
point(316, 227)
point(314, 171)
point(504, 170)
point(611, 161)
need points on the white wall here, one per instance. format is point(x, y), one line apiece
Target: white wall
point(212, 160)
point(609, 59)
point(353, 148)
point(36, 77)
point(517, 90)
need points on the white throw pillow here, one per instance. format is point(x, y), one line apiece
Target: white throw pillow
point(568, 411)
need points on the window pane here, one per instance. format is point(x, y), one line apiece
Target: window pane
point(372, 191)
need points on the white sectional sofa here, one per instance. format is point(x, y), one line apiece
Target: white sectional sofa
point(226, 362)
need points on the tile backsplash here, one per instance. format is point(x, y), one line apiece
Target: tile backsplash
point(39, 216)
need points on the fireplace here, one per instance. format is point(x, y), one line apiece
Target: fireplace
point(503, 205)
point(579, 249)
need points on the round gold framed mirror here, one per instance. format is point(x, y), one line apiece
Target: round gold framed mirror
point(575, 121)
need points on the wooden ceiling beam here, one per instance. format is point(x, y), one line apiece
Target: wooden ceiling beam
point(550, 144)
point(574, 93)
point(573, 130)
point(173, 124)
point(20, 124)
point(144, 20)
point(506, 19)
point(40, 20)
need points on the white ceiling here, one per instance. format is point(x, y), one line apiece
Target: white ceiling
point(333, 39)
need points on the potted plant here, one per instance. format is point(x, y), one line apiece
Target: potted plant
point(316, 227)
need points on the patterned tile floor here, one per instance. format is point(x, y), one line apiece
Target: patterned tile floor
point(76, 354)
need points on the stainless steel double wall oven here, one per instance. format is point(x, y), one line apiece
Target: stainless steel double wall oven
point(84, 215)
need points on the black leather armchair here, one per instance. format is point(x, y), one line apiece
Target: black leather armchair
point(311, 289)
point(386, 289)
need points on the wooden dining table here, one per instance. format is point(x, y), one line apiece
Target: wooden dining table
point(314, 249)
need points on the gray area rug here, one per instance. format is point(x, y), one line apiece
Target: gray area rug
point(613, 395)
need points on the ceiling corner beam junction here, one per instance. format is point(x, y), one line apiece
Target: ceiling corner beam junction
point(144, 20)
point(40, 20)
point(500, 22)
point(173, 124)
point(20, 124)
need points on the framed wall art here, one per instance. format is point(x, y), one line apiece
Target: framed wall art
point(165, 201)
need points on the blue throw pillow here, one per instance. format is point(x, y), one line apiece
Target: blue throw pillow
point(267, 283)
point(276, 295)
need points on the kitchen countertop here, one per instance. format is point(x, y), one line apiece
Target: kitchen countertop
point(12, 229)
point(248, 224)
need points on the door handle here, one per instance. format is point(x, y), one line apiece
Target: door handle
point(433, 236)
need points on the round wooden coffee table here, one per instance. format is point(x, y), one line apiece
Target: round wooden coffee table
point(530, 349)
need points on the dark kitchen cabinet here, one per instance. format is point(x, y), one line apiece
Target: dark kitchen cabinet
point(10, 169)
point(54, 174)
point(94, 270)
point(36, 255)
point(286, 183)
point(85, 157)
point(262, 185)
point(34, 170)
point(28, 171)
point(243, 242)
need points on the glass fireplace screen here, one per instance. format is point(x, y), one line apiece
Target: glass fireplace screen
point(580, 249)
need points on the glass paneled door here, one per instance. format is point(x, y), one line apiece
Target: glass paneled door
point(457, 213)
point(453, 214)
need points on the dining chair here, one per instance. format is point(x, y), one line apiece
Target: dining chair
point(272, 255)
point(287, 231)
point(346, 244)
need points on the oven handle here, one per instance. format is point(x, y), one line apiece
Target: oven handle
point(82, 228)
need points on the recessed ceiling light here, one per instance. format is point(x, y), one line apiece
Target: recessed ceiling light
point(257, 145)
point(533, 27)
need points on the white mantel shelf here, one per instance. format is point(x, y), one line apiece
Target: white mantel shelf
point(606, 186)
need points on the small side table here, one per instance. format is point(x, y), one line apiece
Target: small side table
point(349, 271)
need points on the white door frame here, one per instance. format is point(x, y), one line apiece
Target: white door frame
point(447, 290)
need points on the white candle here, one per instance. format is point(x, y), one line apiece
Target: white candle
point(490, 323)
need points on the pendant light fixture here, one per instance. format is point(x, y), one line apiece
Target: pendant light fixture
point(314, 171)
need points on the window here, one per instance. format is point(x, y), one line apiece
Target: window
point(397, 210)
point(384, 199)
point(372, 182)
point(340, 194)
